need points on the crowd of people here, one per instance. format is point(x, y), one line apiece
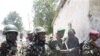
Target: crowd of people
point(37, 43)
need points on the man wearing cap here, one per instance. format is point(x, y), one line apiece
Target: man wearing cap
point(97, 42)
point(94, 42)
point(59, 44)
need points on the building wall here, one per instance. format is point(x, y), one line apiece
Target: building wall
point(76, 13)
point(95, 14)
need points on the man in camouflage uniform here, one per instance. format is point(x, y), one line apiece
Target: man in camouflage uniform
point(56, 45)
point(59, 45)
point(52, 45)
point(37, 48)
point(30, 36)
point(89, 49)
point(30, 42)
point(9, 47)
point(93, 37)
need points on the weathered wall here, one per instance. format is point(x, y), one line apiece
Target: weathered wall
point(94, 11)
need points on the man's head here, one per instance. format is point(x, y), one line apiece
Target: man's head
point(93, 34)
point(71, 33)
point(60, 33)
point(40, 31)
point(10, 31)
point(30, 36)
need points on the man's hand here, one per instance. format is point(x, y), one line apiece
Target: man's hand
point(93, 43)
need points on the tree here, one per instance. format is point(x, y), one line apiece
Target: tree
point(44, 13)
point(13, 18)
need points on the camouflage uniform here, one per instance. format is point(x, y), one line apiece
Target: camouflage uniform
point(9, 47)
point(37, 47)
point(52, 46)
point(56, 45)
point(89, 49)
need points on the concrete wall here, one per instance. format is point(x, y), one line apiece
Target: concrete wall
point(76, 12)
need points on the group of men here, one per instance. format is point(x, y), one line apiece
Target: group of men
point(68, 47)
point(9, 46)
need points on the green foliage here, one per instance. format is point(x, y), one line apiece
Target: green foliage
point(44, 13)
point(13, 18)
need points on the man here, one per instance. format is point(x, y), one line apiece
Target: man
point(9, 47)
point(53, 44)
point(30, 43)
point(94, 42)
point(37, 48)
point(97, 41)
point(30, 36)
point(71, 45)
point(59, 41)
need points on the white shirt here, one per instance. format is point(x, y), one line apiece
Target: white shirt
point(97, 42)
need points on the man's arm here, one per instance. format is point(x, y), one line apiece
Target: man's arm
point(69, 50)
point(97, 42)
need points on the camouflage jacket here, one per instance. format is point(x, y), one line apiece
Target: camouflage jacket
point(35, 49)
point(8, 49)
point(90, 50)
